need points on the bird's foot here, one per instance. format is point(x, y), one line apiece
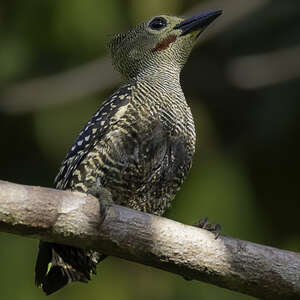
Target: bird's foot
point(105, 198)
point(213, 227)
point(105, 203)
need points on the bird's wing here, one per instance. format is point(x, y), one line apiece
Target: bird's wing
point(165, 158)
point(96, 127)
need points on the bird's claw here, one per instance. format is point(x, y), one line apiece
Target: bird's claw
point(212, 227)
point(104, 196)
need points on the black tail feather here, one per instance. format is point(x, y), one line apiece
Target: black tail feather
point(67, 264)
point(43, 259)
point(54, 280)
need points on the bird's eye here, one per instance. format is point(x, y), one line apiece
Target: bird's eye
point(158, 23)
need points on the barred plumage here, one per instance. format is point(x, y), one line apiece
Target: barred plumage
point(138, 147)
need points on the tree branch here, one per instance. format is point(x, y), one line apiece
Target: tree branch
point(74, 218)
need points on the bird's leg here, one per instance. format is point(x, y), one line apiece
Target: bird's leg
point(104, 196)
point(213, 227)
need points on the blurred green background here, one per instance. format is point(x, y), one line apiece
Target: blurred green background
point(242, 82)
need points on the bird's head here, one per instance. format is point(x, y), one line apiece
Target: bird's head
point(161, 43)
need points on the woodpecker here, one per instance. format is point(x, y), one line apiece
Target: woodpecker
point(137, 148)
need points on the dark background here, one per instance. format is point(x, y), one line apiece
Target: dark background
point(242, 82)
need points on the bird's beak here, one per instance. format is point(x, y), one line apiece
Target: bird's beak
point(198, 22)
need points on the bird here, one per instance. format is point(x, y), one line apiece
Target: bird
point(137, 149)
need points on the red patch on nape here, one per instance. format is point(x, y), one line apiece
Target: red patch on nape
point(164, 44)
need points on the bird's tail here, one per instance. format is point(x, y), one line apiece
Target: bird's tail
point(58, 265)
